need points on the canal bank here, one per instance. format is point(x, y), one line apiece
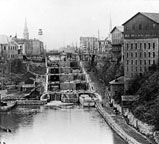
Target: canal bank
point(118, 124)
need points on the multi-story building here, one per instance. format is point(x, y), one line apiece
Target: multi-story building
point(102, 44)
point(24, 45)
point(88, 46)
point(8, 48)
point(68, 49)
point(141, 43)
point(37, 47)
point(117, 42)
point(31, 47)
point(104, 48)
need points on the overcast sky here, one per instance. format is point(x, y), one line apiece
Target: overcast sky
point(64, 21)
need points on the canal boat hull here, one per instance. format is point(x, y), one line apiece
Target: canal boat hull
point(86, 101)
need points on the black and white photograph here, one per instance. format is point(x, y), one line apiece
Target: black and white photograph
point(79, 72)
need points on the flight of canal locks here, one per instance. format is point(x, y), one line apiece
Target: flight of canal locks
point(68, 111)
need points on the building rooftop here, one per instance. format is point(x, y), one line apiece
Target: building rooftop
point(153, 16)
point(27, 76)
point(118, 81)
point(120, 28)
point(4, 39)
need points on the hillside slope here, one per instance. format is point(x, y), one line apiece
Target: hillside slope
point(147, 106)
point(107, 70)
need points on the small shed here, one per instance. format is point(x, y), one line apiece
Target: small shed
point(28, 81)
point(117, 86)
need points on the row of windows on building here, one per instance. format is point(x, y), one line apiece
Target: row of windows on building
point(12, 56)
point(141, 26)
point(136, 69)
point(136, 73)
point(141, 55)
point(10, 48)
point(139, 35)
point(139, 46)
point(141, 62)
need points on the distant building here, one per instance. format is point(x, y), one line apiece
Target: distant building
point(38, 47)
point(8, 48)
point(24, 46)
point(68, 49)
point(88, 46)
point(104, 49)
point(117, 42)
point(102, 44)
point(31, 47)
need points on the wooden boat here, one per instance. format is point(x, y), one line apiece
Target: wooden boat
point(86, 101)
point(69, 97)
point(58, 104)
point(8, 107)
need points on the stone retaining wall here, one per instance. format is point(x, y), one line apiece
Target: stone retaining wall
point(142, 127)
point(156, 136)
point(137, 124)
point(31, 102)
point(115, 126)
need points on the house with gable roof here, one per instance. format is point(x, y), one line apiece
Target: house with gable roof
point(28, 82)
point(117, 42)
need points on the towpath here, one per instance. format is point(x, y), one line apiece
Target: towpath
point(119, 119)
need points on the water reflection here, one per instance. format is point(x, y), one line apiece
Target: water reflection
point(44, 125)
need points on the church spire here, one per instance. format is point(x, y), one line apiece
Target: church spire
point(110, 24)
point(26, 32)
point(110, 29)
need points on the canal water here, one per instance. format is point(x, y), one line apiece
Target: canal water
point(47, 125)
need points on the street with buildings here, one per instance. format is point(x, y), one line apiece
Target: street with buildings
point(81, 94)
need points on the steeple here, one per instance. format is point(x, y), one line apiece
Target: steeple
point(26, 32)
point(110, 29)
point(110, 24)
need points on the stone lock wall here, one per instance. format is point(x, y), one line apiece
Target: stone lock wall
point(65, 78)
point(65, 70)
point(64, 64)
point(68, 86)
